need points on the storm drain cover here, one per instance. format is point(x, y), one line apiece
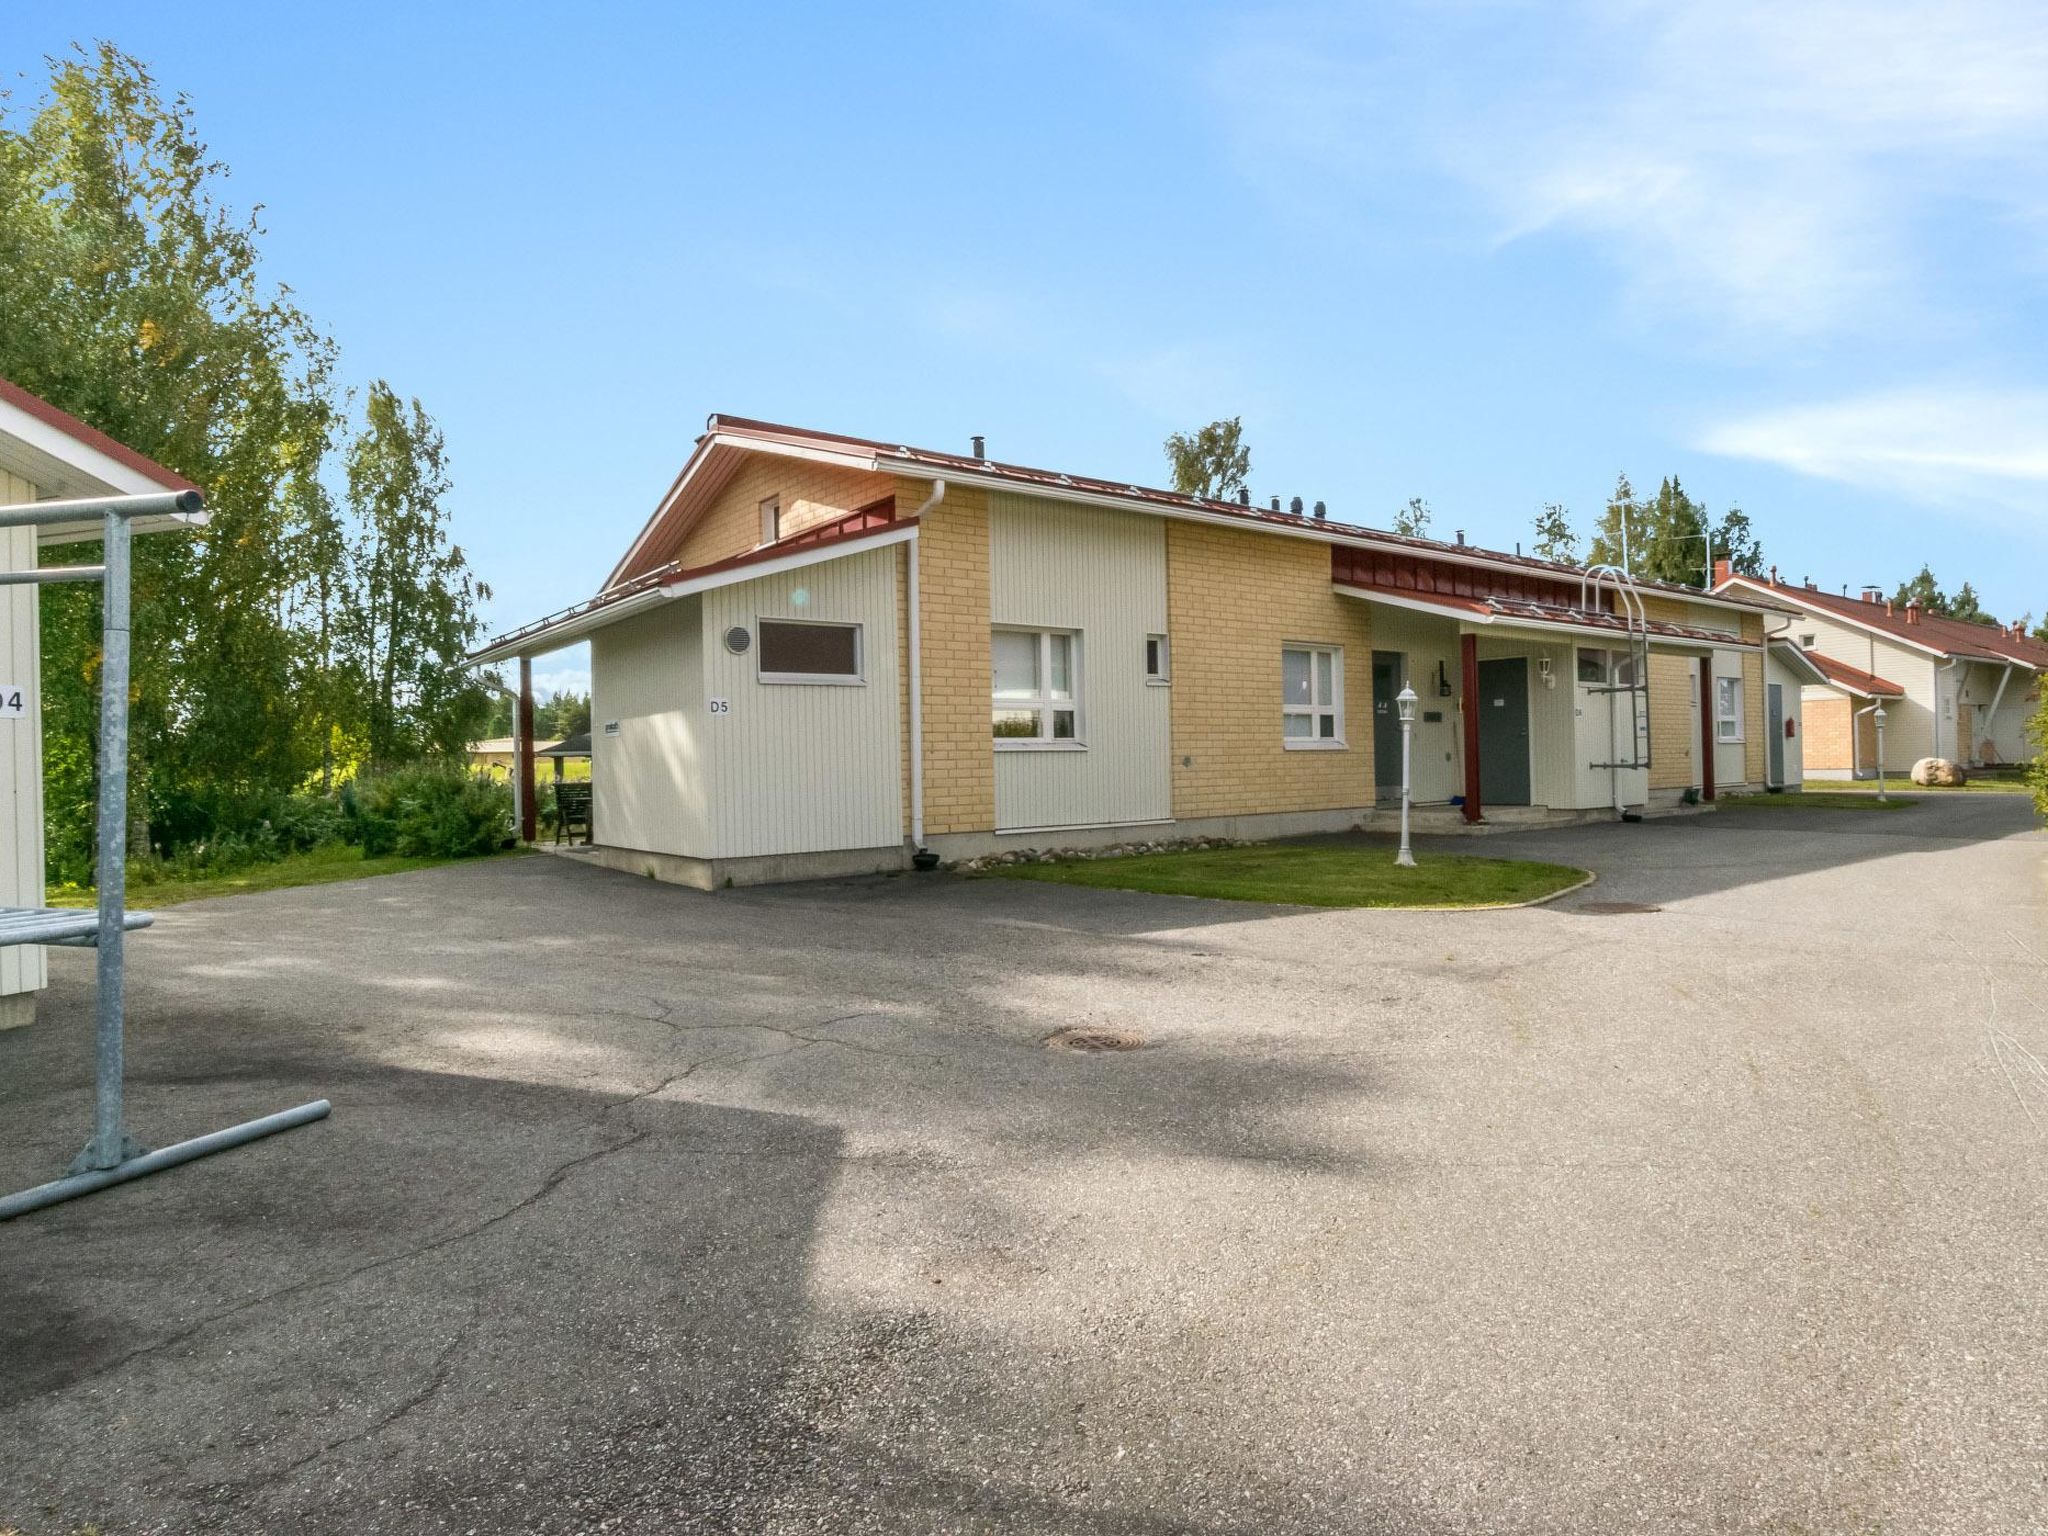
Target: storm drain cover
point(1090, 1041)
point(1614, 908)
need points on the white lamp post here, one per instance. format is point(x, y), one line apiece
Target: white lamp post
point(1405, 702)
point(1878, 717)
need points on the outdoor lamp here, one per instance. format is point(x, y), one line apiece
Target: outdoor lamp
point(1404, 702)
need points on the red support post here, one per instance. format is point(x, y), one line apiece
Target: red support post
point(1470, 667)
point(529, 817)
point(1706, 727)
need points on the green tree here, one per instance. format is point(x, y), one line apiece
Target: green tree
point(1554, 537)
point(1413, 520)
point(415, 598)
point(1736, 542)
point(1619, 524)
point(1212, 461)
point(1966, 605)
point(1924, 590)
point(565, 714)
point(2037, 733)
point(1661, 538)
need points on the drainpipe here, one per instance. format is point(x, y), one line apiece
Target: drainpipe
point(917, 682)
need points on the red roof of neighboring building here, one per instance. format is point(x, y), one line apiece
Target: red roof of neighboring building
point(13, 394)
point(1853, 678)
point(1948, 637)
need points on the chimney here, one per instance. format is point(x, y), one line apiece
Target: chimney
point(1321, 512)
point(1888, 608)
point(1774, 575)
point(1294, 507)
point(1912, 613)
point(1461, 536)
point(1244, 497)
point(980, 446)
point(1276, 503)
point(1723, 569)
point(1872, 595)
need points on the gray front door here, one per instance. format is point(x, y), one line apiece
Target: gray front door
point(1386, 726)
point(1504, 731)
point(1775, 695)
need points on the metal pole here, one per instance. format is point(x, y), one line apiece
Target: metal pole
point(1880, 754)
point(109, 1144)
point(151, 1162)
point(51, 575)
point(1405, 859)
point(152, 504)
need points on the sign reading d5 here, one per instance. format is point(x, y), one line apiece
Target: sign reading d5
point(13, 701)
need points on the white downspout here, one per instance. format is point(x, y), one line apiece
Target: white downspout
point(1955, 703)
point(917, 680)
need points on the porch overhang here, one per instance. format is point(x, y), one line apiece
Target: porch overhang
point(1515, 615)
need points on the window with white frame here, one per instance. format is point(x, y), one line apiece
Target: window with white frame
point(1037, 693)
point(1601, 667)
point(771, 519)
point(1158, 659)
point(808, 651)
point(1807, 642)
point(1311, 696)
point(1727, 709)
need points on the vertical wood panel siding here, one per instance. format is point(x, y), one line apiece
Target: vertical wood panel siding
point(22, 967)
point(1103, 574)
point(649, 781)
point(1427, 644)
point(805, 767)
point(1909, 722)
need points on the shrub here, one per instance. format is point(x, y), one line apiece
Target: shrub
point(2037, 771)
point(428, 812)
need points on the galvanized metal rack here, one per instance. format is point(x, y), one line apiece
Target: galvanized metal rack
point(1633, 687)
point(111, 1156)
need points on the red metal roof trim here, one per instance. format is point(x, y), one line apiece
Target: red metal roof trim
point(92, 437)
point(1853, 677)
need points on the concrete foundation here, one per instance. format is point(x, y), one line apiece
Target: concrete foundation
point(765, 869)
point(17, 1009)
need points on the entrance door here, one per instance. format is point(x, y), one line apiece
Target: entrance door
point(1774, 706)
point(1504, 731)
point(1386, 726)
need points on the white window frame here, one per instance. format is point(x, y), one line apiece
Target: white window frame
point(1728, 724)
point(1315, 710)
point(859, 676)
point(1161, 674)
point(1808, 641)
point(771, 518)
point(1045, 702)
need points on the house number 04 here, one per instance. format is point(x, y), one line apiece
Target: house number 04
point(13, 701)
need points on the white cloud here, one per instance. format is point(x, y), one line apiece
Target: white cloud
point(1752, 163)
point(563, 680)
point(1942, 447)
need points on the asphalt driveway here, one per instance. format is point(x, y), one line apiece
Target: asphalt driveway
point(644, 1210)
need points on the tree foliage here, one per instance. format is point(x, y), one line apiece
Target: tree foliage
point(132, 297)
point(1413, 519)
point(1665, 537)
point(1925, 590)
point(1554, 537)
point(1212, 461)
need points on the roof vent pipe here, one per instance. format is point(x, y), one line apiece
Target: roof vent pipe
point(1294, 507)
point(980, 446)
point(1321, 511)
point(1244, 497)
point(1461, 536)
point(1912, 613)
point(1774, 575)
point(1276, 503)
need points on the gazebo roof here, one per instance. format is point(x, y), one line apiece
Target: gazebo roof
point(569, 746)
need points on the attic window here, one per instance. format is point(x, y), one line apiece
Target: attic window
point(771, 519)
point(1806, 642)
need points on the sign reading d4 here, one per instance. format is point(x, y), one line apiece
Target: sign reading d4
point(13, 701)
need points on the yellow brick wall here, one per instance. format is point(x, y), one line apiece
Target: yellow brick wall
point(1825, 723)
point(1233, 599)
point(811, 494)
point(959, 749)
point(1673, 713)
point(1754, 718)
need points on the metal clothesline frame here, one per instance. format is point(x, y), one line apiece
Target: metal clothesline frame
point(111, 1156)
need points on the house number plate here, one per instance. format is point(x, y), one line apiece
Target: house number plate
point(720, 706)
point(13, 701)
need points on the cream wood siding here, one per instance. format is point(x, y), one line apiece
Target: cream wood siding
point(1425, 644)
point(22, 967)
point(1553, 747)
point(646, 676)
point(2006, 731)
point(1909, 722)
point(1102, 574)
point(1610, 728)
point(804, 767)
point(1791, 688)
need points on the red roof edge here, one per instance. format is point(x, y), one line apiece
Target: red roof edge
point(13, 394)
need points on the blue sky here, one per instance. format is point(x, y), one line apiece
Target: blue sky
point(1488, 254)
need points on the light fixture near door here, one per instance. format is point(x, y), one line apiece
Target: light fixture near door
point(737, 639)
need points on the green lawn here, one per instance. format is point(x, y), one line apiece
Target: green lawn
point(319, 867)
point(1819, 800)
point(1896, 783)
point(1312, 877)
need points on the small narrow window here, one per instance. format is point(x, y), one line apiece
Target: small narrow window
point(1728, 709)
point(1158, 661)
point(1035, 687)
point(1592, 665)
point(1311, 694)
point(771, 519)
point(808, 651)
point(1806, 642)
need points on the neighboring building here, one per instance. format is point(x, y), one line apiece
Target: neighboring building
point(823, 652)
point(1950, 688)
point(45, 455)
point(494, 756)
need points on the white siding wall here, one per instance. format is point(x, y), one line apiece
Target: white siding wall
point(1791, 692)
point(1610, 727)
point(21, 748)
point(1427, 643)
point(1731, 760)
point(648, 781)
point(1104, 574)
point(1553, 723)
point(1909, 722)
point(804, 767)
point(2007, 731)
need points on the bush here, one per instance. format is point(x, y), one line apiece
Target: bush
point(428, 812)
point(2037, 771)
